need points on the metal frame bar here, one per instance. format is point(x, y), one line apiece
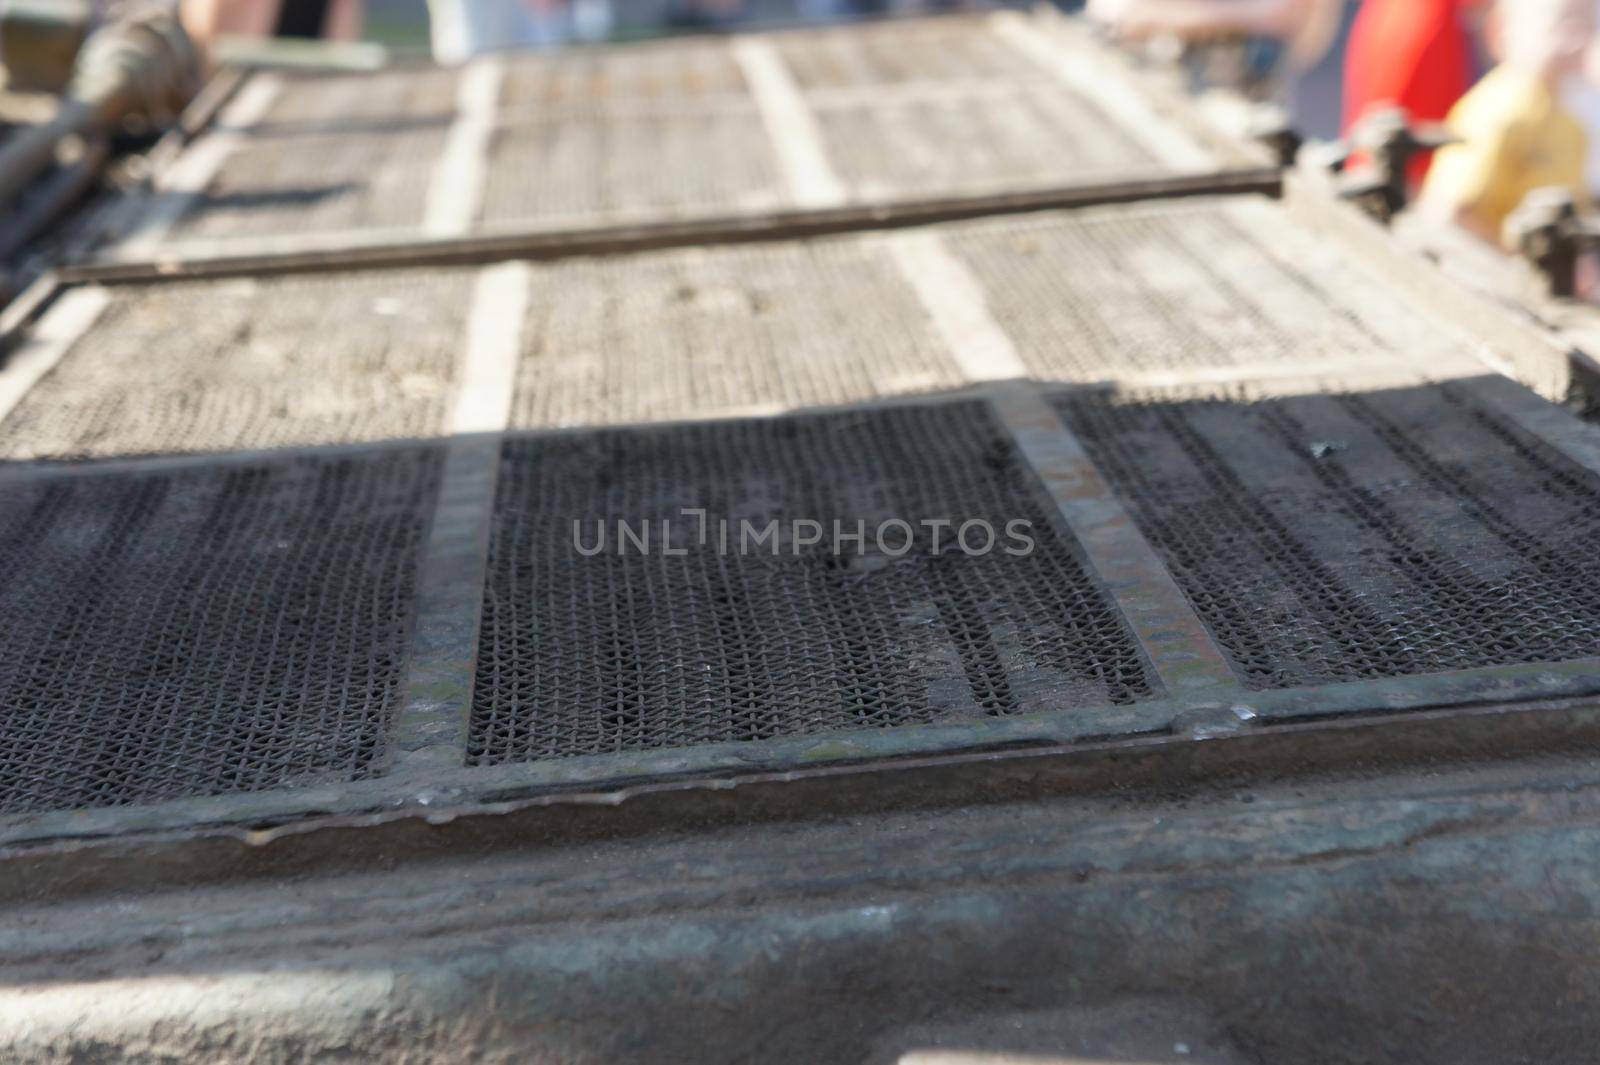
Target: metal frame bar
point(399, 249)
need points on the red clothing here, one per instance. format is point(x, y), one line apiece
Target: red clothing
point(1414, 53)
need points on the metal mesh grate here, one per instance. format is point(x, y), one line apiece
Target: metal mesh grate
point(622, 651)
point(205, 631)
point(896, 52)
point(215, 366)
point(667, 131)
point(976, 141)
point(664, 73)
point(361, 178)
point(617, 165)
point(686, 334)
point(355, 101)
point(1334, 538)
point(1108, 292)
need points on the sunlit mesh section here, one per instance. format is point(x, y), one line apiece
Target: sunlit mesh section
point(224, 365)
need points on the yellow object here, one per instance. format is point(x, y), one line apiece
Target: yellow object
point(1515, 137)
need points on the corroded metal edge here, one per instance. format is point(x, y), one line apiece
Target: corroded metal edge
point(457, 826)
point(1181, 650)
point(432, 795)
point(429, 731)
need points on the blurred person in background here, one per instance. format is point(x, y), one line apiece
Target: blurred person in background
point(1515, 133)
point(1275, 44)
point(1418, 54)
point(461, 29)
point(338, 20)
point(1581, 96)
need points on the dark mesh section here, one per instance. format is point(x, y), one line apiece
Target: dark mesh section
point(622, 651)
point(1334, 538)
point(224, 365)
point(703, 332)
point(205, 631)
point(1199, 284)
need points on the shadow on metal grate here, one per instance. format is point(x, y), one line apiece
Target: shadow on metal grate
point(623, 651)
point(1329, 538)
point(204, 630)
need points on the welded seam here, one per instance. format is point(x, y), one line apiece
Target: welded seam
point(790, 123)
point(1181, 649)
point(430, 731)
point(68, 319)
point(955, 302)
point(1090, 78)
point(455, 191)
point(180, 188)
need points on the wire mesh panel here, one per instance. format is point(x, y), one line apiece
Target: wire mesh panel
point(206, 630)
point(1328, 538)
point(687, 72)
point(587, 651)
point(621, 164)
point(696, 333)
point(224, 365)
point(345, 102)
point(367, 177)
point(1029, 134)
point(896, 52)
point(1207, 284)
point(909, 110)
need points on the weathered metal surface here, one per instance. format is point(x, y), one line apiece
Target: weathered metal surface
point(920, 300)
point(1181, 650)
point(624, 137)
point(316, 252)
point(222, 366)
point(204, 630)
point(1320, 920)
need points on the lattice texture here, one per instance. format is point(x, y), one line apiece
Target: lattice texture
point(622, 652)
point(979, 140)
point(618, 165)
point(369, 177)
point(897, 52)
point(1336, 538)
point(1105, 293)
point(355, 101)
point(686, 334)
point(662, 74)
point(205, 631)
point(211, 366)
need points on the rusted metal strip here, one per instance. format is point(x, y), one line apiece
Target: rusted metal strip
point(430, 732)
point(1180, 648)
point(394, 249)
